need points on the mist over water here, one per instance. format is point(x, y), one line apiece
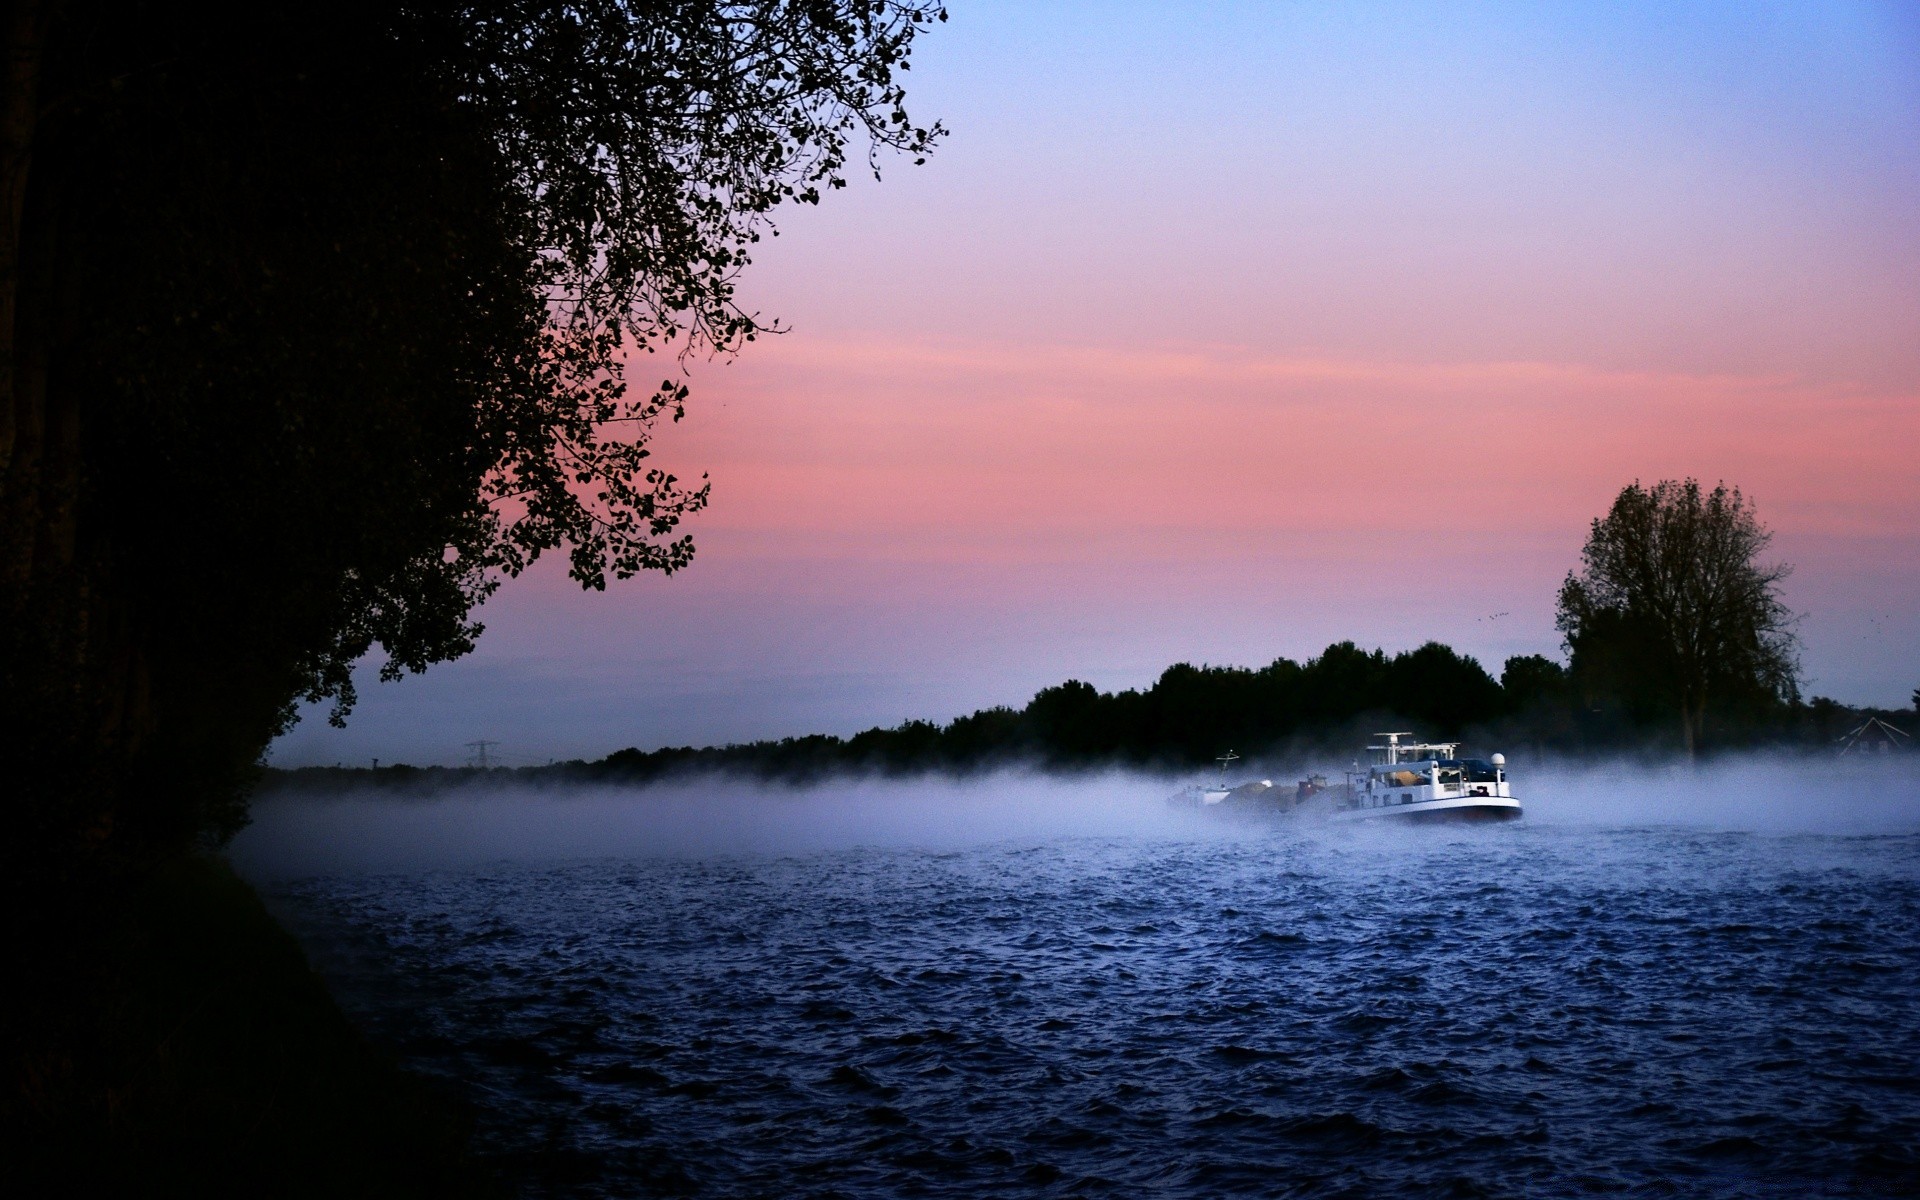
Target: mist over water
point(377, 830)
point(374, 831)
point(1668, 980)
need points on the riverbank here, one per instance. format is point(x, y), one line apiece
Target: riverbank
point(182, 1046)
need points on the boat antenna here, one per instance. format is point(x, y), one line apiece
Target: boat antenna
point(1223, 760)
point(1392, 747)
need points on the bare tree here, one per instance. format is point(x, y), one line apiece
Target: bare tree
point(1672, 611)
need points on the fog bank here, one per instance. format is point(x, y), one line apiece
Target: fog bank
point(374, 831)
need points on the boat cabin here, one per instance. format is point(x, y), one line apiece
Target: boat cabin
point(1410, 772)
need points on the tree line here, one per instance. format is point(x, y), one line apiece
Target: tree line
point(1676, 635)
point(1320, 710)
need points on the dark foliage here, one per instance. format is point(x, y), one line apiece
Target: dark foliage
point(1192, 714)
point(1189, 716)
point(1533, 681)
point(314, 324)
point(1314, 713)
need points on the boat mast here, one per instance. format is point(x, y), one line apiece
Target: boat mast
point(1223, 760)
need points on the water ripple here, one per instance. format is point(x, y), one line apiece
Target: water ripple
point(1534, 1011)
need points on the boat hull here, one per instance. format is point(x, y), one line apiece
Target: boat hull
point(1464, 810)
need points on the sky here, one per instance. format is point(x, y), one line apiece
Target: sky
point(1221, 332)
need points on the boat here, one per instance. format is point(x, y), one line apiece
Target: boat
point(1425, 781)
point(1255, 795)
point(1406, 782)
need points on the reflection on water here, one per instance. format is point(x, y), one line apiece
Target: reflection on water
point(1026, 988)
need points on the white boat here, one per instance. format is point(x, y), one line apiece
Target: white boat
point(1425, 781)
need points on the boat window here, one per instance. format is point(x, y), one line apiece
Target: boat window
point(1480, 771)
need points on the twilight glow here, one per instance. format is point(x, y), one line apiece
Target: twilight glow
point(1221, 333)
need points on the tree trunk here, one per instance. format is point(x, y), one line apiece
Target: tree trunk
point(1693, 721)
point(73, 685)
point(19, 112)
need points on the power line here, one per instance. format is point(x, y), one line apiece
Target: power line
point(481, 747)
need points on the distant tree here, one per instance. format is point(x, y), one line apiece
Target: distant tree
point(315, 324)
point(1826, 720)
point(1531, 680)
point(981, 737)
point(1066, 722)
point(1671, 613)
point(1343, 682)
point(1444, 690)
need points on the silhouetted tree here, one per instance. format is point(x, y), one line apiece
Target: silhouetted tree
point(1441, 688)
point(314, 322)
point(981, 737)
point(1672, 612)
point(1343, 682)
point(1532, 680)
point(1065, 721)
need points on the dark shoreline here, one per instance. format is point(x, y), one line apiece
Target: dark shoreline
point(182, 1046)
point(1274, 717)
point(774, 763)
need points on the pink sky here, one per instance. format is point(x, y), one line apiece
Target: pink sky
point(989, 453)
point(1224, 334)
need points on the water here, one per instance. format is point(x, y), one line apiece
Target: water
point(847, 999)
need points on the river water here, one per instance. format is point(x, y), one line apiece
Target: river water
point(1028, 988)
